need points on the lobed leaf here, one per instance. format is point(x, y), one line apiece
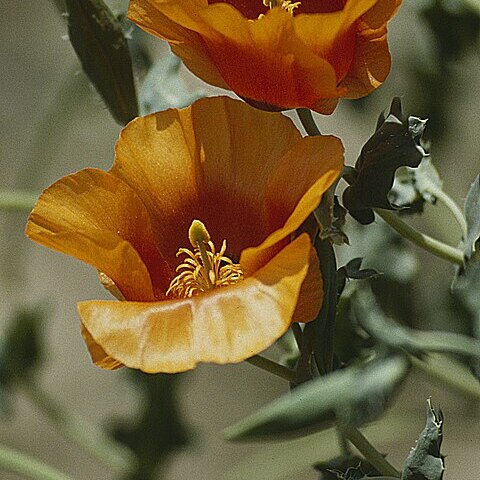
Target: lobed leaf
point(425, 461)
point(395, 143)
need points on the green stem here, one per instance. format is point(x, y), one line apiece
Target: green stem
point(430, 244)
point(272, 367)
point(22, 464)
point(92, 439)
point(306, 119)
point(17, 200)
point(451, 374)
point(452, 206)
point(371, 454)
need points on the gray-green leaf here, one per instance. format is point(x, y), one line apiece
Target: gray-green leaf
point(425, 461)
point(355, 394)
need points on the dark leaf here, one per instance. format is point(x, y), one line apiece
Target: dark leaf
point(163, 88)
point(396, 143)
point(353, 395)
point(100, 44)
point(353, 271)
point(425, 462)
point(318, 336)
point(159, 431)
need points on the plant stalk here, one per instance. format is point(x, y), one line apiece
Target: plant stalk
point(27, 466)
point(430, 244)
point(17, 200)
point(371, 454)
point(272, 367)
point(306, 119)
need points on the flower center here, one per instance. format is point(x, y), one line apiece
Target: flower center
point(203, 269)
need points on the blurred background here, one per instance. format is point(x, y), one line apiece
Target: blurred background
point(53, 123)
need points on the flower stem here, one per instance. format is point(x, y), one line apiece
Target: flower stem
point(92, 439)
point(452, 206)
point(374, 457)
point(430, 244)
point(306, 119)
point(22, 464)
point(17, 200)
point(272, 367)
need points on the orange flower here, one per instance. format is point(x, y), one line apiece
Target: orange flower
point(300, 54)
point(251, 179)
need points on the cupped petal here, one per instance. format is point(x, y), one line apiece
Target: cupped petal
point(370, 66)
point(227, 325)
point(211, 161)
point(309, 169)
point(185, 43)
point(261, 60)
point(98, 219)
point(97, 353)
point(371, 61)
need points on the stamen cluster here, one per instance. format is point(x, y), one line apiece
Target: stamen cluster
point(200, 273)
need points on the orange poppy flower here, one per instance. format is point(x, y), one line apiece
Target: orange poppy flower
point(251, 179)
point(300, 54)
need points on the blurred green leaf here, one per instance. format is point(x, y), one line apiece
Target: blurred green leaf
point(163, 87)
point(354, 395)
point(159, 430)
point(455, 26)
point(395, 143)
point(386, 331)
point(21, 349)
point(98, 39)
point(425, 461)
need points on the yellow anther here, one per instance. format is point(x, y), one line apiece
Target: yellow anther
point(204, 268)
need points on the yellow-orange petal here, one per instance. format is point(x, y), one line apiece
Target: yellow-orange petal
point(371, 64)
point(210, 161)
point(97, 353)
point(98, 219)
point(185, 43)
point(227, 325)
point(317, 162)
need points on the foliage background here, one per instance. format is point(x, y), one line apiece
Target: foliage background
point(54, 123)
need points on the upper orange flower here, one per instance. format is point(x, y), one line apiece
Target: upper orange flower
point(251, 179)
point(299, 54)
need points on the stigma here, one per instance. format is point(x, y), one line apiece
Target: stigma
point(202, 269)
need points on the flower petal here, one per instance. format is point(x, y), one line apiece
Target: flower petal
point(225, 326)
point(98, 354)
point(185, 43)
point(211, 161)
point(309, 169)
point(98, 219)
